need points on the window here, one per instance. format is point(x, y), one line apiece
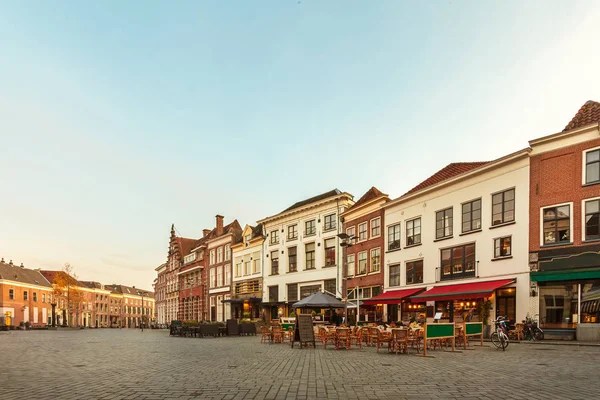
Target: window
point(43, 297)
point(458, 262)
point(306, 291)
point(365, 293)
point(394, 237)
point(227, 252)
point(248, 237)
point(394, 275)
point(330, 286)
point(25, 295)
point(362, 231)
point(503, 207)
point(375, 260)
point(274, 237)
point(502, 247)
point(292, 232)
point(350, 265)
point(220, 276)
point(413, 232)
point(255, 266)
point(11, 294)
point(362, 263)
point(292, 289)
point(274, 262)
point(247, 266)
point(228, 274)
point(329, 222)
point(414, 272)
point(376, 227)
point(310, 255)
point(238, 269)
point(212, 257)
point(273, 294)
point(592, 219)
point(592, 166)
point(219, 255)
point(471, 216)
point(34, 296)
point(330, 252)
point(351, 232)
point(443, 223)
point(212, 278)
point(557, 223)
point(292, 260)
point(310, 227)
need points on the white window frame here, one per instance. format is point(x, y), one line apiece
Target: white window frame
point(351, 231)
point(353, 256)
point(366, 253)
point(571, 211)
point(212, 256)
point(387, 236)
point(227, 273)
point(366, 224)
point(406, 235)
point(583, 239)
point(371, 228)
point(220, 255)
point(370, 266)
point(499, 257)
point(227, 252)
point(583, 168)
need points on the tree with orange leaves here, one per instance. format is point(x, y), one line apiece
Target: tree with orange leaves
point(66, 288)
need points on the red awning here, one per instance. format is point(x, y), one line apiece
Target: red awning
point(392, 296)
point(463, 291)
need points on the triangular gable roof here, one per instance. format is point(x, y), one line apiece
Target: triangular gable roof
point(15, 273)
point(587, 114)
point(371, 194)
point(50, 275)
point(449, 171)
point(313, 199)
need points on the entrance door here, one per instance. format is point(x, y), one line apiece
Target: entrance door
point(506, 303)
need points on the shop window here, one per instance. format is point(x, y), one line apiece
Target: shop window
point(556, 224)
point(590, 301)
point(292, 292)
point(558, 304)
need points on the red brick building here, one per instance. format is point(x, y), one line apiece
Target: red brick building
point(364, 248)
point(192, 281)
point(179, 247)
point(564, 237)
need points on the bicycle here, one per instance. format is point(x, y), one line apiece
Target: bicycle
point(531, 330)
point(499, 337)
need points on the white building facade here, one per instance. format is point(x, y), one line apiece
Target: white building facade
point(247, 282)
point(302, 251)
point(458, 239)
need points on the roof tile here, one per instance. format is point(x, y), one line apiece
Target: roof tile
point(587, 114)
point(449, 171)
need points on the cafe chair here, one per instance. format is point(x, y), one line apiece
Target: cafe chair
point(277, 334)
point(357, 337)
point(265, 335)
point(342, 338)
point(415, 338)
point(383, 338)
point(400, 340)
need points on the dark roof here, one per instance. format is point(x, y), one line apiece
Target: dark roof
point(122, 289)
point(15, 273)
point(587, 114)
point(257, 230)
point(371, 194)
point(91, 284)
point(185, 245)
point(50, 275)
point(320, 197)
point(449, 171)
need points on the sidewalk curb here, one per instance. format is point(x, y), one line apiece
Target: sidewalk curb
point(553, 343)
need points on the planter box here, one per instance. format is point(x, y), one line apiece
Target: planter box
point(247, 329)
point(209, 330)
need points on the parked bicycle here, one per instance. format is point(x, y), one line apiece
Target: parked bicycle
point(531, 330)
point(500, 337)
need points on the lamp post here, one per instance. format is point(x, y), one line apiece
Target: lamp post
point(53, 304)
point(142, 318)
point(347, 241)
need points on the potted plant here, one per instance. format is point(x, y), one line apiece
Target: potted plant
point(483, 309)
point(246, 327)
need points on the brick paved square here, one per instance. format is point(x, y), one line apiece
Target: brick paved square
point(128, 364)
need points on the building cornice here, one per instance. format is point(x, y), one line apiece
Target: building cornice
point(564, 135)
point(24, 284)
point(352, 211)
point(316, 204)
point(500, 162)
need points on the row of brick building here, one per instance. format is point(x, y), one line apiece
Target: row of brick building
point(519, 234)
point(33, 296)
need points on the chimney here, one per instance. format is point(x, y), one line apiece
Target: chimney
point(22, 266)
point(10, 263)
point(219, 225)
point(2, 260)
point(205, 232)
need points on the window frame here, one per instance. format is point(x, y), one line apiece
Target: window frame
point(348, 263)
point(464, 274)
point(328, 249)
point(585, 163)
point(444, 219)
point(571, 218)
point(276, 269)
point(371, 264)
point(331, 224)
point(11, 294)
point(412, 220)
point(500, 240)
point(294, 232)
point(274, 236)
point(25, 295)
point(313, 224)
point(378, 219)
point(514, 209)
point(351, 231)
point(227, 252)
point(584, 214)
point(312, 258)
point(366, 232)
point(399, 240)
point(414, 272)
point(366, 260)
point(398, 275)
point(295, 255)
point(470, 213)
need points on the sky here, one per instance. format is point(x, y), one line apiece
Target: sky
point(118, 119)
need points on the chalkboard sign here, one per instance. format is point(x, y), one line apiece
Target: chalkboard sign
point(232, 327)
point(430, 311)
point(304, 330)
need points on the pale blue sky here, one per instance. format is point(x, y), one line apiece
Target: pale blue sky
point(120, 118)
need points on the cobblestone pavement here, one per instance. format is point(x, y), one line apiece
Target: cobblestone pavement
point(129, 364)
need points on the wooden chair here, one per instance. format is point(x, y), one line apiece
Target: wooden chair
point(342, 338)
point(383, 338)
point(372, 336)
point(265, 335)
point(357, 337)
point(516, 333)
point(459, 338)
point(277, 334)
point(415, 338)
point(326, 335)
point(400, 340)
point(290, 334)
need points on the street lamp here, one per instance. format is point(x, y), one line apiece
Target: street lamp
point(142, 319)
point(347, 241)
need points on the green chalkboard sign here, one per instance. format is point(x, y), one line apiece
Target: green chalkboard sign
point(473, 328)
point(434, 331)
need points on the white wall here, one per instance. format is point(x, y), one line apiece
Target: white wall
point(513, 175)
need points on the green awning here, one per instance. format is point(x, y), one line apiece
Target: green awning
point(565, 275)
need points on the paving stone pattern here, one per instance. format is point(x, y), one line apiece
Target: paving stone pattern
point(128, 364)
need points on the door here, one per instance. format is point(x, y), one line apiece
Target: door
point(506, 303)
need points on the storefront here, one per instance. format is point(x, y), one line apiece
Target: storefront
point(396, 303)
